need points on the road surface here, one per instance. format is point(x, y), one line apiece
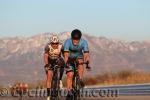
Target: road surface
point(110, 98)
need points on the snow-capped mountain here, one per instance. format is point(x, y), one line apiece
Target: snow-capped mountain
point(21, 58)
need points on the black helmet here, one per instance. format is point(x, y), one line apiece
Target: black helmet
point(76, 34)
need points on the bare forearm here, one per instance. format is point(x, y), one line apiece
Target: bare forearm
point(87, 57)
point(66, 55)
point(45, 58)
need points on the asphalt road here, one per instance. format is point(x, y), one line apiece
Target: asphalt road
point(91, 98)
point(126, 92)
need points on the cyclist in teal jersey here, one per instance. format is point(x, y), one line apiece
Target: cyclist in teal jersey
point(75, 48)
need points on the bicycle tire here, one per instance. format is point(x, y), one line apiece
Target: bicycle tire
point(55, 85)
point(76, 87)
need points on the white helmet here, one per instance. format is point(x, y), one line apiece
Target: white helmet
point(54, 39)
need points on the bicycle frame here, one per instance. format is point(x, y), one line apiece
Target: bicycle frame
point(55, 83)
point(76, 81)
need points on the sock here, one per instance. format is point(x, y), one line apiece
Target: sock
point(48, 91)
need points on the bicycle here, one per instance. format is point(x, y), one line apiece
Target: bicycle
point(21, 91)
point(55, 82)
point(76, 82)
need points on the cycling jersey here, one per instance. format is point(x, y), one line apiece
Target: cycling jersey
point(76, 51)
point(55, 56)
point(53, 53)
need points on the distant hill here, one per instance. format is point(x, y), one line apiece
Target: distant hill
point(22, 58)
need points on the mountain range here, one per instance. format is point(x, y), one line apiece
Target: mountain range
point(21, 58)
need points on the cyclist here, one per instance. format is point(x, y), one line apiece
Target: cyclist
point(52, 55)
point(21, 89)
point(75, 48)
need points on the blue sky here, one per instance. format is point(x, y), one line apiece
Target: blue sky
point(119, 19)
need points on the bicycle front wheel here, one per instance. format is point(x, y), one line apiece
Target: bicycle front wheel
point(55, 86)
point(76, 87)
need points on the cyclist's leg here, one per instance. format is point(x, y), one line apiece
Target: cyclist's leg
point(49, 78)
point(48, 81)
point(80, 68)
point(61, 63)
point(69, 85)
point(69, 77)
point(81, 71)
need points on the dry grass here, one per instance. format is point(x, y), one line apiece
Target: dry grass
point(122, 77)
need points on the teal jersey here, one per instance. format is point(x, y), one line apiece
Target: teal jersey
point(76, 50)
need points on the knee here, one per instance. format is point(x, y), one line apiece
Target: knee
point(49, 75)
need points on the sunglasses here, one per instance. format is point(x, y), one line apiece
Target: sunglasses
point(55, 43)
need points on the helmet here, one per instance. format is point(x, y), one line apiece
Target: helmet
point(54, 39)
point(76, 34)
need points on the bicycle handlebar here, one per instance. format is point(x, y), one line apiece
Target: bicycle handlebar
point(87, 65)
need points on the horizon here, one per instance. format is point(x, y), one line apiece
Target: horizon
point(42, 33)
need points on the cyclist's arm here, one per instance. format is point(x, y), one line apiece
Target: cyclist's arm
point(62, 51)
point(86, 51)
point(46, 55)
point(87, 57)
point(66, 56)
point(66, 51)
point(45, 58)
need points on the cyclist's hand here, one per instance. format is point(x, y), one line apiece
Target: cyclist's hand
point(87, 66)
point(87, 59)
point(46, 66)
